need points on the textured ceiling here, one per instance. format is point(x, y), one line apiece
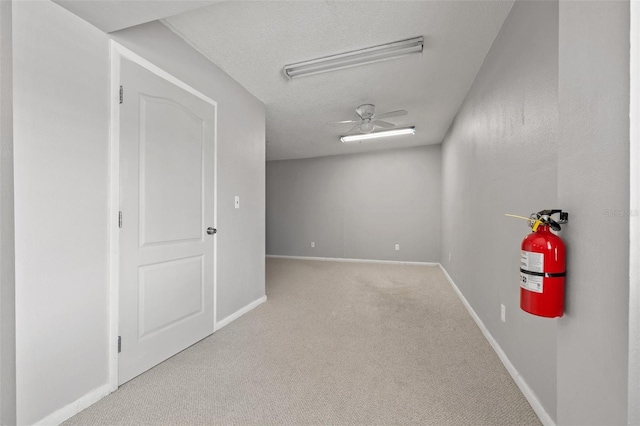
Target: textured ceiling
point(252, 41)
point(113, 15)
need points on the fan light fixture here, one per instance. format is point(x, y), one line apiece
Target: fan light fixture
point(385, 133)
point(357, 57)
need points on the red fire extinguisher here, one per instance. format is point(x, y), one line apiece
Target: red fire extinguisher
point(542, 266)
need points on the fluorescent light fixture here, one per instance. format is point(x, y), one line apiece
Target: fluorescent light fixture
point(355, 58)
point(385, 133)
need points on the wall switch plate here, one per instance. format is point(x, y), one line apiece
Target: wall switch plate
point(397, 246)
point(503, 313)
point(313, 244)
point(449, 257)
point(237, 202)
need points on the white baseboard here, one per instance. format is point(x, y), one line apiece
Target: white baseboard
point(528, 393)
point(70, 410)
point(240, 312)
point(340, 259)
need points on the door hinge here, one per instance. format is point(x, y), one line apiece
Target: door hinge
point(120, 219)
point(119, 344)
point(121, 94)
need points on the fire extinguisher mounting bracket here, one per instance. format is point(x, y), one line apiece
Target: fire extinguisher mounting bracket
point(544, 216)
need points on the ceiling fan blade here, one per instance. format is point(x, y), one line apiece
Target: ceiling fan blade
point(397, 113)
point(344, 122)
point(352, 129)
point(384, 124)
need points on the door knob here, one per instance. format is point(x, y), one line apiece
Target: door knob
point(211, 231)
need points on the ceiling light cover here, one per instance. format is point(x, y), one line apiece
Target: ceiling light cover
point(385, 133)
point(355, 58)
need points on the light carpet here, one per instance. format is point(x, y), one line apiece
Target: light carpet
point(335, 344)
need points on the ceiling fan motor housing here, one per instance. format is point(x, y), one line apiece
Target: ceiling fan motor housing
point(366, 111)
point(367, 126)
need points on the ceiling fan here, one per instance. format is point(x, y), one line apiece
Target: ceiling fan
point(367, 119)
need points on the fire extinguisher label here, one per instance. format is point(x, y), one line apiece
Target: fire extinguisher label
point(530, 261)
point(531, 282)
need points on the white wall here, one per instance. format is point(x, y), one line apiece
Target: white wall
point(546, 124)
point(500, 157)
point(356, 206)
point(593, 185)
point(61, 126)
point(240, 163)
point(7, 246)
point(61, 119)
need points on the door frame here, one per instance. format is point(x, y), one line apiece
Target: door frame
point(634, 218)
point(117, 53)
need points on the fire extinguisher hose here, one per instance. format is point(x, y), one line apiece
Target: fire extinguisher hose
point(529, 219)
point(544, 216)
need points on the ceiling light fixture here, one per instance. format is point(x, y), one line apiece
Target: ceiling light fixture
point(385, 133)
point(369, 55)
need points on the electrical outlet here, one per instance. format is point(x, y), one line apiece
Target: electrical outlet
point(313, 243)
point(397, 246)
point(503, 313)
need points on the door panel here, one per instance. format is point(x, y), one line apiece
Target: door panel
point(170, 292)
point(167, 138)
point(171, 174)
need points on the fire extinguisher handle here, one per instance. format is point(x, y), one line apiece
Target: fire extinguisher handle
point(555, 225)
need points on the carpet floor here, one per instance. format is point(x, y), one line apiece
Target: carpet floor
point(335, 344)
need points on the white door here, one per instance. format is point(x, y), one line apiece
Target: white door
point(167, 138)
